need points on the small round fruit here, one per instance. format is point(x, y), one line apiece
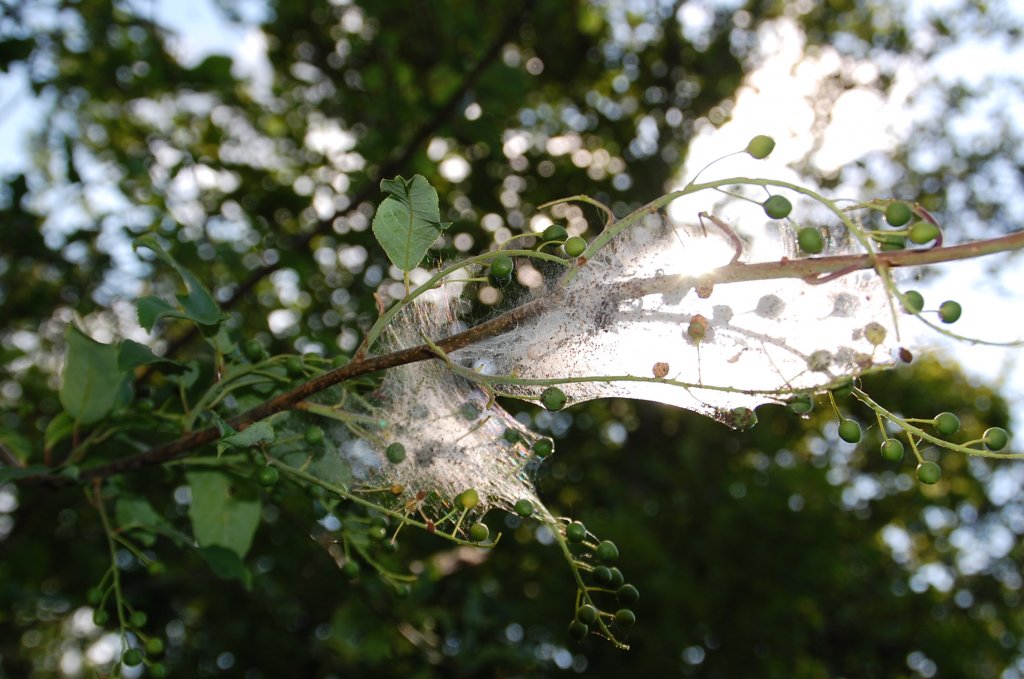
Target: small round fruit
point(350, 570)
point(760, 146)
point(502, 266)
point(946, 424)
point(602, 575)
point(576, 532)
point(131, 657)
point(849, 431)
point(913, 301)
point(543, 447)
point(575, 246)
point(777, 207)
point(523, 508)
point(607, 551)
point(314, 435)
point(100, 617)
point(468, 499)
point(156, 568)
point(293, 364)
point(555, 232)
point(892, 450)
point(628, 594)
point(253, 350)
point(949, 311)
point(377, 532)
point(479, 532)
point(553, 398)
point(154, 646)
point(802, 404)
point(995, 438)
point(810, 241)
point(923, 232)
point(743, 418)
point(137, 619)
point(395, 453)
point(157, 670)
point(94, 596)
point(617, 578)
point(339, 360)
point(898, 214)
point(267, 476)
point(511, 435)
point(928, 472)
point(625, 617)
point(891, 241)
point(578, 631)
point(586, 614)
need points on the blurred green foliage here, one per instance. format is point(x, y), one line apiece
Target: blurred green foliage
point(778, 552)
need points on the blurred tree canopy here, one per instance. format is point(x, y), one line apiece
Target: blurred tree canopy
point(779, 552)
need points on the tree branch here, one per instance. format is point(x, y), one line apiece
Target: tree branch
point(804, 268)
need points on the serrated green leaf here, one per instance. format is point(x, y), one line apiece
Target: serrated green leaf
point(260, 432)
point(225, 510)
point(226, 564)
point(408, 221)
point(197, 302)
point(131, 354)
point(151, 309)
point(90, 379)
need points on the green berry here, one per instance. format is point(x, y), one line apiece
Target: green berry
point(156, 568)
point(377, 532)
point(923, 232)
point(468, 499)
point(949, 311)
point(892, 450)
point(576, 532)
point(743, 418)
point(523, 508)
point(801, 404)
point(928, 472)
point(586, 614)
point(154, 646)
point(94, 596)
point(157, 670)
point(131, 657)
point(350, 570)
point(810, 241)
point(314, 435)
point(555, 232)
point(267, 476)
point(575, 246)
point(625, 617)
point(137, 619)
point(946, 423)
point(511, 435)
point(339, 361)
point(395, 453)
point(995, 438)
point(254, 350)
point(543, 447)
point(898, 214)
point(607, 551)
point(293, 364)
point(501, 267)
point(777, 207)
point(891, 241)
point(602, 575)
point(479, 532)
point(760, 146)
point(617, 578)
point(100, 617)
point(843, 388)
point(913, 301)
point(849, 431)
point(578, 631)
point(553, 398)
point(628, 594)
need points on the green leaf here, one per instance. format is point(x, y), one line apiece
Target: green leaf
point(136, 512)
point(17, 443)
point(14, 473)
point(198, 303)
point(225, 510)
point(131, 354)
point(226, 564)
point(260, 432)
point(58, 429)
point(408, 221)
point(90, 380)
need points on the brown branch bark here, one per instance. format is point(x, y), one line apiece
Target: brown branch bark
point(804, 268)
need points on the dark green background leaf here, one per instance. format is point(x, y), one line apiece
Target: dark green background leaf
point(225, 510)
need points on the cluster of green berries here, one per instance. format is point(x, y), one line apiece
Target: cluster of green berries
point(606, 578)
point(949, 311)
point(152, 646)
